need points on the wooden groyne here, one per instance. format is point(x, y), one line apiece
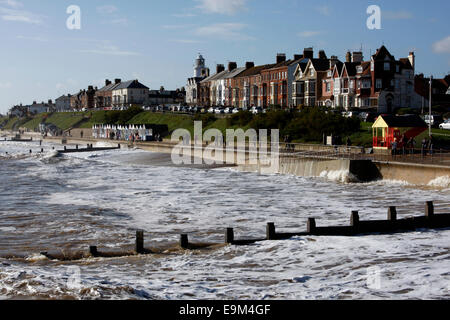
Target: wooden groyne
point(356, 227)
point(89, 148)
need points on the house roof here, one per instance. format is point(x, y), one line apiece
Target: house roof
point(234, 73)
point(254, 70)
point(409, 121)
point(321, 64)
point(109, 87)
point(132, 84)
point(405, 63)
point(351, 68)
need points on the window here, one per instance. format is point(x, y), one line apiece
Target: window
point(328, 86)
point(312, 72)
point(359, 69)
point(387, 66)
point(398, 68)
point(379, 83)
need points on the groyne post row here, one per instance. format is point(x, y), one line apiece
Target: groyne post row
point(356, 227)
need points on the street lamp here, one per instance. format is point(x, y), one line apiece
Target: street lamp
point(429, 120)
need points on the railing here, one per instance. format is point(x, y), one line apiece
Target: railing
point(407, 155)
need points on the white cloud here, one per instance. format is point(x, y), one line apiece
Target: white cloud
point(183, 15)
point(19, 16)
point(396, 15)
point(108, 9)
point(5, 85)
point(307, 34)
point(442, 46)
point(229, 31)
point(11, 3)
point(108, 49)
point(177, 26)
point(185, 41)
point(324, 10)
point(229, 7)
point(36, 38)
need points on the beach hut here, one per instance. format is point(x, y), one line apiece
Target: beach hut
point(390, 128)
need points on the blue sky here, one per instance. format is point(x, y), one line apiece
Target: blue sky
point(156, 41)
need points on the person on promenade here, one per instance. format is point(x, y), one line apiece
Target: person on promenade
point(424, 147)
point(394, 147)
point(403, 142)
point(81, 134)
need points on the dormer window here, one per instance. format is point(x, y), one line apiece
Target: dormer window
point(387, 66)
point(359, 69)
point(312, 72)
point(329, 73)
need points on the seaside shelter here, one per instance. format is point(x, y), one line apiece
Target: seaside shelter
point(389, 128)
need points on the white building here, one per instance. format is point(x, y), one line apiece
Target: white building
point(63, 103)
point(130, 93)
point(192, 86)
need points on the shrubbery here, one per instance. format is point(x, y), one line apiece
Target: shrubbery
point(309, 125)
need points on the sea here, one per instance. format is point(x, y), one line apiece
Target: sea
point(63, 204)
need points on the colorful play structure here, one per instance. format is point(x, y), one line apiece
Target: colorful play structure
point(390, 128)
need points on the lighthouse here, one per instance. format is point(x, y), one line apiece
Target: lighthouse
point(199, 67)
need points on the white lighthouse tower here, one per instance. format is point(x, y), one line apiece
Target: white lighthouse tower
point(199, 67)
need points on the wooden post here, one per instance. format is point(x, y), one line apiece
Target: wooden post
point(42, 150)
point(65, 148)
point(311, 225)
point(140, 241)
point(184, 241)
point(118, 145)
point(270, 231)
point(354, 219)
point(76, 147)
point(93, 250)
point(31, 151)
point(429, 209)
point(229, 236)
point(392, 214)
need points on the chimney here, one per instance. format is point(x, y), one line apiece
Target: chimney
point(412, 59)
point(34, 102)
point(348, 57)
point(297, 57)
point(308, 53)
point(117, 81)
point(333, 61)
point(107, 82)
point(322, 55)
point(249, 65)
point(90, 88)
point(357, 56)
point(50, 101)
point(220, 68)
point(281, 57)
point(232, 66)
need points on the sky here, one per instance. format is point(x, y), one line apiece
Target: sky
point(156, 41)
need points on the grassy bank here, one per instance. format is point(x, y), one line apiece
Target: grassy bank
point(305, 127)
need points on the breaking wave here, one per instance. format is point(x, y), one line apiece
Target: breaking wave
point(343, 176)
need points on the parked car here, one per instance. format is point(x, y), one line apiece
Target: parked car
point(256, 110)
point(219, 110)
point(436, 120)
point(445, 125)
point(211, 110)
point(235, 110)
point(228, 110)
